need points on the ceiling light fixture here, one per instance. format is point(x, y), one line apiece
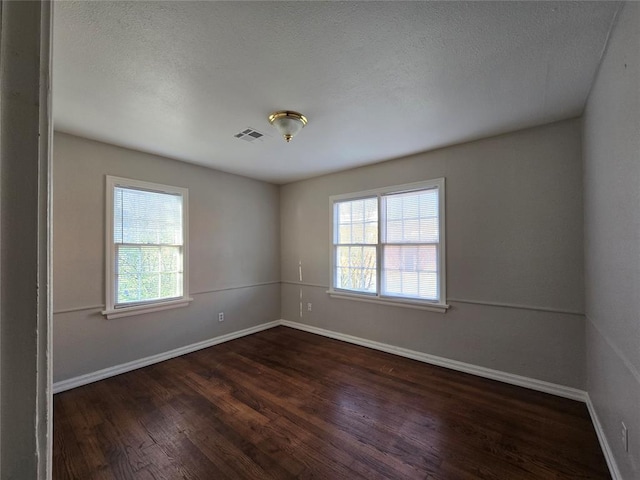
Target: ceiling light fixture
point(288, 123)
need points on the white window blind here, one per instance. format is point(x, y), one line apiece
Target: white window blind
point(147, 247)
point(410, 244)
point(147, 231)
point(388, 243)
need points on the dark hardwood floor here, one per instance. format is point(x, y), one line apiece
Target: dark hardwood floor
point(288, 404)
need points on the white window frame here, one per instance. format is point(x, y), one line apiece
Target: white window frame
point(437, 306)
point(111, 311)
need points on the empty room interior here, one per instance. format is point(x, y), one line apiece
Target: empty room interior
point(344, 240)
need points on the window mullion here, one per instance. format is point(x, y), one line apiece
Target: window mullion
point(115, 268)
point(140, 275)
point(439, 282)
point(379, 249)
point(159, 270)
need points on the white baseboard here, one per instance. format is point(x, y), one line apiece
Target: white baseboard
point(532, 383)
point(604, 444)
point(143, 362)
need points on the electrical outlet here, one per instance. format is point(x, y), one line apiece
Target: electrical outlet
point(624, 436)
point(308, 307)
point(221, 317)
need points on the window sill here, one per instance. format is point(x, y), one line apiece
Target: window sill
point(417, 305)
point(148, 308)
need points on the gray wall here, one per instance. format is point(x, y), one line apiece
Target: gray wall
point(233, 239)
point(514, 236)
point(612, 239)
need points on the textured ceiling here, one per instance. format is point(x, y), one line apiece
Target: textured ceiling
point(376, 80)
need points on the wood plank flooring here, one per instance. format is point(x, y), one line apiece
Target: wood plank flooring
point(284, 404)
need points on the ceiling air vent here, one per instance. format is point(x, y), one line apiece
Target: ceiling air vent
point(249, 135)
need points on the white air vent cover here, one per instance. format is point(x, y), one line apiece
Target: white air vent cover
point(250, 135)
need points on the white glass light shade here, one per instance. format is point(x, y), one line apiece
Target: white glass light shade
point(288, 123)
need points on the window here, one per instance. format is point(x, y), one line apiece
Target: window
point(146, 254)
point(388, 245)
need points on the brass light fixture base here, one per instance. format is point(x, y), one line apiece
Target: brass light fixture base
point(288, 123)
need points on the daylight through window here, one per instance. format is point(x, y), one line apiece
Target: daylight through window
point(148, 248)
point(389, 243)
